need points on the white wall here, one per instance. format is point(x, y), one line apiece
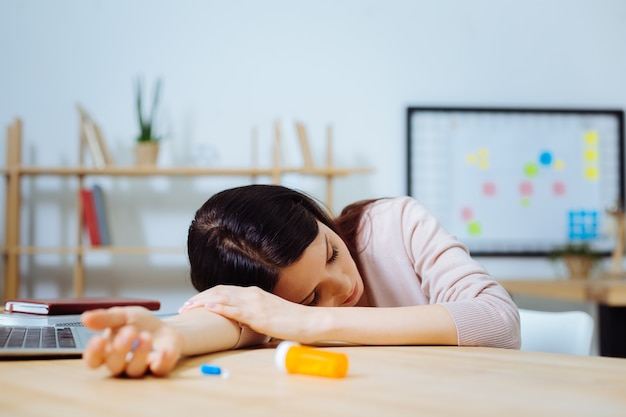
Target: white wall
point(230, 66)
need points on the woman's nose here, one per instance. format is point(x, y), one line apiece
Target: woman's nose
point(340, 289)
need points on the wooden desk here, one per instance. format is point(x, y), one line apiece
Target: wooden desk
point(609, 294)
point(382, 381)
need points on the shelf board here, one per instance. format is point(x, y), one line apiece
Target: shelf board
point(115, 250)
point(327, 171)
point(131, 171)
point(139, 171)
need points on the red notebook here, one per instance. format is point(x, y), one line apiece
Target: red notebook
point(56, 306)
point(90, 216)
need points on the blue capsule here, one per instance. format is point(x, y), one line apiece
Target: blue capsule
point(210, 369)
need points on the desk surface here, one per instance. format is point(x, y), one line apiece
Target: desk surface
point(610, 292)
point(382, 381)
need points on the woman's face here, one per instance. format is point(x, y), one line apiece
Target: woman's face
point(325, 275)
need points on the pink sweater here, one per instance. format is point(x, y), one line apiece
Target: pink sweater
point(409, 259)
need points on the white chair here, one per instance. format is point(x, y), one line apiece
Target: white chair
point(559, 332)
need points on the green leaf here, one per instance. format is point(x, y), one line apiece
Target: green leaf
point(146, 125)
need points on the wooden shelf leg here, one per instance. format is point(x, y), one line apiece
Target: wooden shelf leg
point(276, 160)
point(12, 211)
point(79, 277)
point(79, 267)
point(329, 165)
point(254, 148)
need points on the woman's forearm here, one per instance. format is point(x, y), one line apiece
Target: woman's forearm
point(202, 331)
point(415, 325)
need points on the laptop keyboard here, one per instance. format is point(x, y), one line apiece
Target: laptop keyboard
point(36, 337)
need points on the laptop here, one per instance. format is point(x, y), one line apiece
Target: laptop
point(28, 336)
point(51, 327)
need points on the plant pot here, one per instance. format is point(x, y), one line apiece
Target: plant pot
point(579, 267)
point(146, 153)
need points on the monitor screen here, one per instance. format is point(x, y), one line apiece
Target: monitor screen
point(509, 181)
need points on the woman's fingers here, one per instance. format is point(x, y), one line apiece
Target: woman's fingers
point(133, 341)
point(101, 319)
point(231, 312)
point(262, 311)
point(224, 295)
point(162, 362)
point(220, 294)
point(119, 349)
point(129, 354)
point(137, 361)
point(94, 354)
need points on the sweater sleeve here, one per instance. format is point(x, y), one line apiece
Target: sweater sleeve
point(443, 272)
point(484, 313)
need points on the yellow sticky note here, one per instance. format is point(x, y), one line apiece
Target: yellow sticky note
point(592, 174)
point(591, 136)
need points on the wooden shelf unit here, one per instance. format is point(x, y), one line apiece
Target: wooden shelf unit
point(15, 171)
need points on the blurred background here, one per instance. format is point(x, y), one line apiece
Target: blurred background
point(229, 69)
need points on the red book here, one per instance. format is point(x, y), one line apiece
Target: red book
point(90, 216)
point(57, 306)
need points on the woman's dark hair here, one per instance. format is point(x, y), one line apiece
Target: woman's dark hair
point(244, 235)
point(349, 223)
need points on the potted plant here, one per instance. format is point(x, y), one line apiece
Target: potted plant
point(147, 146)
point(579, 258)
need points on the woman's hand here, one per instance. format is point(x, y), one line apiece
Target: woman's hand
point(133, 342)
point(262, 311)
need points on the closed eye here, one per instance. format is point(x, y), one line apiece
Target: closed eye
point(316, 298)
point(334, 255)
